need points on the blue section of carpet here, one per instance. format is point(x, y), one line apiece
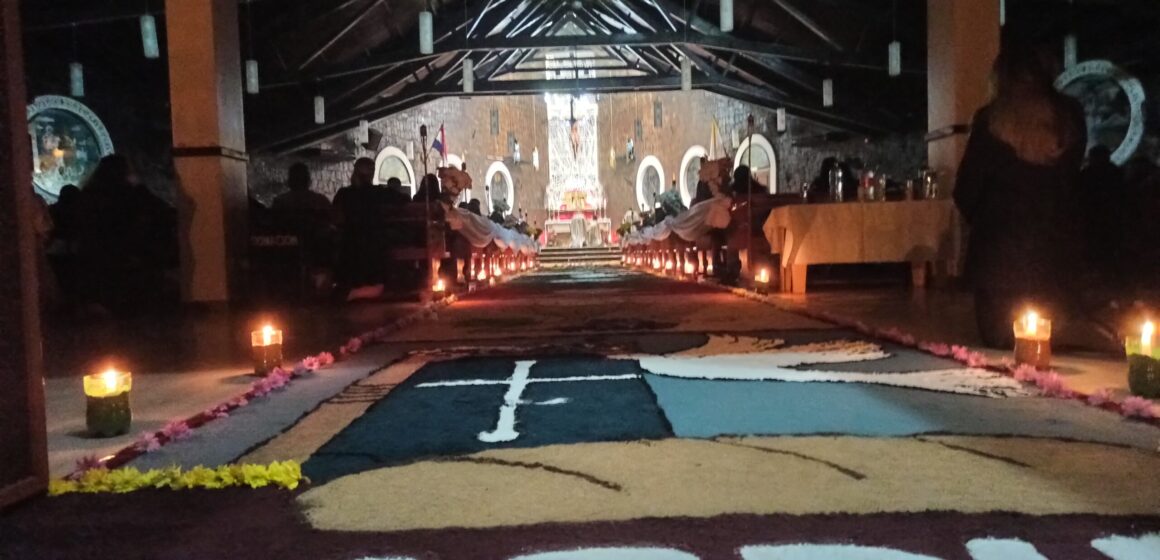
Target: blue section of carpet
point(705, 409)
point(414, 423)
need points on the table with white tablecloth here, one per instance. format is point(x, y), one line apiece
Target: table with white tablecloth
point(920, 232)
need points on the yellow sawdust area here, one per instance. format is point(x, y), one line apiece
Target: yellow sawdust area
point(755, 475)
point(318, 426)
point(708, 312)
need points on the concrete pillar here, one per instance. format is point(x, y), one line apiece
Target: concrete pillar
point(962, 42)
point(24, 467)
point(209, 146)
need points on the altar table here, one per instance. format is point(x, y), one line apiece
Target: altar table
point(921, 232)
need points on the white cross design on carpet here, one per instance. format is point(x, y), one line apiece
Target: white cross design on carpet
point(505, 427)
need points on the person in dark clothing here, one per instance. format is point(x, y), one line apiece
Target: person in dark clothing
point(62, 253)
point(1104, 199)
point(820, 186)
point(396, 194)
point(358, 211)
point(1015, 188)
point(428, 189)
point(475, 207)
point(704, 193)
point(301, 209)
point(126, 236)
point(308, 215)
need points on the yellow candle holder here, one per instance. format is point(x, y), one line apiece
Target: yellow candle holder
point(1033, 341)
point(266, 344)
point(1143, 363)
point(108, 412)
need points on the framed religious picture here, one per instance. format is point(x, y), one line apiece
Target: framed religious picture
point(1113, 103)
point(68, 140)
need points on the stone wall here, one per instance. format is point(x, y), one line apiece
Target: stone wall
point(479, 130)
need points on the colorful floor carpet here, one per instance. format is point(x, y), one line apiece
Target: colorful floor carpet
point(593, 415)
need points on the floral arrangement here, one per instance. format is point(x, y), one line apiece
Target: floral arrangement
point(284, 474)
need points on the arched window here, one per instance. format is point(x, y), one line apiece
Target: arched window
point(500, 186)
point(691, 172)
point(764, 162)
point(392, 162)
point(650, 182)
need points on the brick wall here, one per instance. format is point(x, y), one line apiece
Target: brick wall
point(686, 117)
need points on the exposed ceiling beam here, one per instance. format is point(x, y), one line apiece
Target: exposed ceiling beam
point(357, 19)
point(809, 23)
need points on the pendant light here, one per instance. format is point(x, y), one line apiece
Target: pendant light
point(894, 51)
point(319, 109)
point(426, 32)
point(726, 23)
point(76, 71)
point(468, 75)
point(828, 92)
point(782, 120)
point(253, 81)
point(686, 74)
point(253, 85)
point(1070, 51)
point(149, 37)
point(76, 79)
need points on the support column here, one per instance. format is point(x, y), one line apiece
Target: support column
point(24, 467)
point(209, 146)
point(962, 42)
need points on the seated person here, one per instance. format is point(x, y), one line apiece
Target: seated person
point(301, 209)
point(397, 195)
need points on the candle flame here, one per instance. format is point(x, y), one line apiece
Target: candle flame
point(1031, 322)
point(1146, 333)
point(763, 276)
point(439, 286)
point(267, 335)
point(109, 378)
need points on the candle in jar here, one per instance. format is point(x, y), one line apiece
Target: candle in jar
point(690, 268)
point(107, 411)
point(1143, 365)
point(439, 286)
point(1033, 340)
point(266, 344)
point(761, 280)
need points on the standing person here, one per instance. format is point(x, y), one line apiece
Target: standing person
point(358, 211)
point(1015, 189)
point(309, 216)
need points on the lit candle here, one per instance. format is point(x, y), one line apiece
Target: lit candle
point(482, 275)
point(1033, 340)
point(107, 411)
point(439, 286)
point(690, 268)
point(266, 344)
point(668, 265)
point(761, 281)
point(1143, 365)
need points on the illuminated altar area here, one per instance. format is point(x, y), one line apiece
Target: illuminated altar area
point(575, 198)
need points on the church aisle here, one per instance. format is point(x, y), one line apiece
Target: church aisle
point(598, 414)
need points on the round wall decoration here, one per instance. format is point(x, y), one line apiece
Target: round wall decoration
point(68, 140)
point(1113, 103)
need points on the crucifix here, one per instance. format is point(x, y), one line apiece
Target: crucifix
point(575, 125)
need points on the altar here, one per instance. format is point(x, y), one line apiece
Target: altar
point(578, 230)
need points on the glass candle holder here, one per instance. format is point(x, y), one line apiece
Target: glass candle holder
point(266, 344)
point(1033, 341)
point(1143, 364)
point(439, 288)
point(108, 412)
point(761, 281)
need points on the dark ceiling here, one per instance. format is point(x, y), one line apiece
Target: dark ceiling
point(362, 55)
